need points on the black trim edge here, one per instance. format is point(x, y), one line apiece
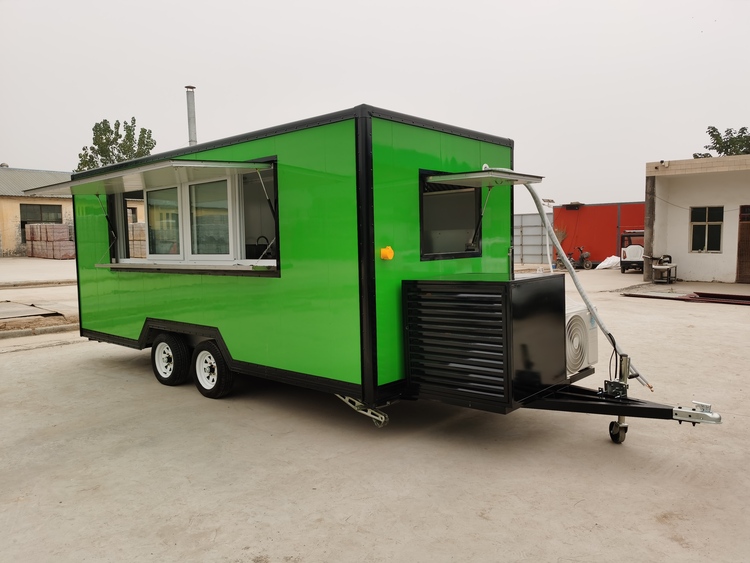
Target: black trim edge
point(366, 242)
point(111, 338)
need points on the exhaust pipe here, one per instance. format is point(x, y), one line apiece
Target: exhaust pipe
point(192, 136)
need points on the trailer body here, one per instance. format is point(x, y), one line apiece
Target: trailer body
point(328, 314)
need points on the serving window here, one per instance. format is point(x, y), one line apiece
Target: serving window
point(449, 221)
point(229, 220)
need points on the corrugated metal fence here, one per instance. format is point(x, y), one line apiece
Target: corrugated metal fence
point(529, 240)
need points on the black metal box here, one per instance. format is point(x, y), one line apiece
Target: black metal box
point(484, 344)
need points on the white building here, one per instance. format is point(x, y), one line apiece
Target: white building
point(698, 212)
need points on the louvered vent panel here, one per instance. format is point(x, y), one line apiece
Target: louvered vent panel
point(455, 340)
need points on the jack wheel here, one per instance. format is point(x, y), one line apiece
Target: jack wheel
point(616, 432)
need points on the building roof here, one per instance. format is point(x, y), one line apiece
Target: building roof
point(13, 181)
point(690, 166)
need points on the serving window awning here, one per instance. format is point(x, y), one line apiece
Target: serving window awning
point(162, 174)
point(487, 178)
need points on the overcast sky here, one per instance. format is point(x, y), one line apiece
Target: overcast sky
point(590, 90)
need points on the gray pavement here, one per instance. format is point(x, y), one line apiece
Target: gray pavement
point(24, 271)
point(101, 463)
point(47, 285)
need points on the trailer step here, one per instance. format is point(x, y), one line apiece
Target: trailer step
point(379, 418)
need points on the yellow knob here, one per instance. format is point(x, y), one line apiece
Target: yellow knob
point(386, 253)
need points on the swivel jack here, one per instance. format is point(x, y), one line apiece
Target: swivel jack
point(619, 428)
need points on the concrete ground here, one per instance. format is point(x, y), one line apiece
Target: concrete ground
point(48, 285)
point(101, 463)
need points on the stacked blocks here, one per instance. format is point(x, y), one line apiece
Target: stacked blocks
point(137, 240)
point(50, 240)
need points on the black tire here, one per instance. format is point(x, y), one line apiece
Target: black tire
point(587, 264)
point(170, 359)
point(617, 433)
point(211, 374)
point(622, 268)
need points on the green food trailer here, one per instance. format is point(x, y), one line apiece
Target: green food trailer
point(363, 253)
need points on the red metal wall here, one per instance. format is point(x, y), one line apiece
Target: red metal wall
point(597, 227)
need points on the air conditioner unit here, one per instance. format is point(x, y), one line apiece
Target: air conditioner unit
point(581, 338)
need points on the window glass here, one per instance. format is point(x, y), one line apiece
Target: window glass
point(51, 213)
point(699, 237)
point(715, 214)
point(450, 222)
point(31, 213)
point(705, 228)
point(698, 215)
point(163, 221)
point(209, 218)
point(230, 220)
point(259, 215)
point(36, 213)
point(714, 238)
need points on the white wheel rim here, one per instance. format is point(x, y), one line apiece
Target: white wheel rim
point(205, 367)
point(164, 360)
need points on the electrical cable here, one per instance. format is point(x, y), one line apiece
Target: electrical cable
point(538, 202)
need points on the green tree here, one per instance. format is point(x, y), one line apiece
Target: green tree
point(731, 143)
point(110, 145)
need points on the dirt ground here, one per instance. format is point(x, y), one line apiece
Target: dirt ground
point(101, 463)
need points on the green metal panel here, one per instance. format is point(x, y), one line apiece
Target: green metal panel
point(305, 321)
point(399, 152)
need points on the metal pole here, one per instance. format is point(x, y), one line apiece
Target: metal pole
point(192, 136)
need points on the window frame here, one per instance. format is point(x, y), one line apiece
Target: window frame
point(179, 256)
point(425, 256)
point(23, 222)
point(706, 225)
point(186, 260)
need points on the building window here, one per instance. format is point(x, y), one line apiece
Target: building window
point(132, 214)
point(230, 220)
point(35, 213)
point(705, 229)
point(450, 224)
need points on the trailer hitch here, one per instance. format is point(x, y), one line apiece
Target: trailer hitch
point(379, 418)
point(701, 413)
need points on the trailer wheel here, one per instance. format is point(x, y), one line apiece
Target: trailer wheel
point(170, 359)
point(212, 375)
point(616, 432)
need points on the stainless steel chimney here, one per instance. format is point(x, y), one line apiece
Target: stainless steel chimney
point(192, 136)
